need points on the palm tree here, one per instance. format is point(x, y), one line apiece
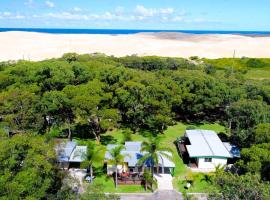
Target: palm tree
point(148, 179)
point(154, 152)
point(117, 158)
point(94, 155)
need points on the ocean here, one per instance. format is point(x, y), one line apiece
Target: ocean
point(129, 31)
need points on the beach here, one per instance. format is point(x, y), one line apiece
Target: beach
point(33, 46)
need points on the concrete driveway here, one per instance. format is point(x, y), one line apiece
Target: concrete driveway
point(164, 181)
point(157, 195)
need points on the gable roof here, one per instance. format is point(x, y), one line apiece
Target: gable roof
point(70, 152)
point(78, 154)
point(133, 153)
point(205, 143)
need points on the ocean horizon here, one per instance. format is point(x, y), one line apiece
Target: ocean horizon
point(128, 31)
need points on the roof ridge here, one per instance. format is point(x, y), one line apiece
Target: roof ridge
point(201, 131)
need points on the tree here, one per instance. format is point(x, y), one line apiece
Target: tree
point(153, 152)
point(244, 187)
point(148, 179)
point(256, 160)
point(117, 158)
point(27, 167)
point(57, 109)
point(127, 135)
point(129, 102)
point(202, 95)
point(262, 133)
point(93, 156)
point(243, 116)
point(88, 103)
point(18, 107)
point(52, 75)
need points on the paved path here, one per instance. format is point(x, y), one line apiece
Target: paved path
point(164, 181)
point(157, 195)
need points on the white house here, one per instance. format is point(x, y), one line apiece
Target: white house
point(205, 150)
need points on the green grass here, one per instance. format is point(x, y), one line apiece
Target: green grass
point(108, 186)
point(168, 139)
point(200, 183)
point(258, 70)
point(258, 74)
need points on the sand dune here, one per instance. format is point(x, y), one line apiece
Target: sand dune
point(39, 46)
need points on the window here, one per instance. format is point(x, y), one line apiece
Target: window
point(207, 159)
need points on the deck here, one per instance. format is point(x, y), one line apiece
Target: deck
point(130, 179)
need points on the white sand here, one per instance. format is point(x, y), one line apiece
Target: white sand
point(39, 46)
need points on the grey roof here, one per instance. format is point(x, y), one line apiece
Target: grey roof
point(164, 160)
point(133, 153)
point(69, 148)
point(133, 146)
point(205, 143)
point(70, 152)
point(78, 155)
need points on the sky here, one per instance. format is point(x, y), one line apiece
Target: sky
point(241, 15)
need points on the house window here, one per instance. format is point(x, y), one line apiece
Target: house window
point(207, 159)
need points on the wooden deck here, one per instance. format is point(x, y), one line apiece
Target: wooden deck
point(130, 179)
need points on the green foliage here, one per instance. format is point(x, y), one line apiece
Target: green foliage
point(155, 63)
point(240, 187)
point(117, 158)
point(90, 96)
point(262, 133)
point(149, 180)
point(127, 135)
point(154, 150)
point(239, 63)
point(243, 116)
point(19, 109)
point(27, 167)
point(256, 159)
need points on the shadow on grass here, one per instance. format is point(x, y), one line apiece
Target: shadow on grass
point(107, 139)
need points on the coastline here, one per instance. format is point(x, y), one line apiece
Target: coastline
point(39, 46)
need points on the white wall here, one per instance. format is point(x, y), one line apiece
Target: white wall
point(211, 165)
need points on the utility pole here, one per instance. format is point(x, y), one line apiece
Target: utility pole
point(234, 52)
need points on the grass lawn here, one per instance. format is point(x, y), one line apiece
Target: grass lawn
point(200, 183)
point(108, 186)
point(181, 171)
point(258, 74)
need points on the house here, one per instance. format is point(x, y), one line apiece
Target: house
point(132, 154)
point(70, 154)
point(203, 150)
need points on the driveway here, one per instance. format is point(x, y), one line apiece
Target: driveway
point(157, 195)
point(164, 181)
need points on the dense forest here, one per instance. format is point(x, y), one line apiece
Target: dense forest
point(86, 95)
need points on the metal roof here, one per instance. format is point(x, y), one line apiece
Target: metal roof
point(205, 143)
point(133, 146)
point(78, 155)
point(70, 152)
point(69, 148)
point(133, 153)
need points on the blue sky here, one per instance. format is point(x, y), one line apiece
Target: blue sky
point(140, 14)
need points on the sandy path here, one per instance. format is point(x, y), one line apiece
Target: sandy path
point(39, 46)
